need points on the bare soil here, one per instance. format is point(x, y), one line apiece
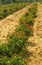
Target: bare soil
point(36, 40)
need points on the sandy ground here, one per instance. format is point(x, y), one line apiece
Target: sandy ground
point(36, 40)
point(10, 23)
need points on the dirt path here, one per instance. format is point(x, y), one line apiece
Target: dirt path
point(36, 40)
point(10, 23)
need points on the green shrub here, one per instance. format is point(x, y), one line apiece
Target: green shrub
point(4, 61)
point(5, 50)
point(29, 20)
point(25, 30)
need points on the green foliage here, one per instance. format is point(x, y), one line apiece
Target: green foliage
point(18, 61)
point(15, 1)
point(15, 60)
point(15, 45)
point(25, 30)
point(33, 10)
point(30, 21)
point(5, 50)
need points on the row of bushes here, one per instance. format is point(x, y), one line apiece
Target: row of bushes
point(27, 22)
point(10, 8)
point(17, 42)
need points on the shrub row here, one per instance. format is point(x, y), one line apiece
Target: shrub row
point(10, 8)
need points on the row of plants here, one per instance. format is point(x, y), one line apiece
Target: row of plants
point(15, 52)
point(7, 9)
point(27, 22)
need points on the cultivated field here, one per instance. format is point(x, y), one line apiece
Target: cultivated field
point(21, 34)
